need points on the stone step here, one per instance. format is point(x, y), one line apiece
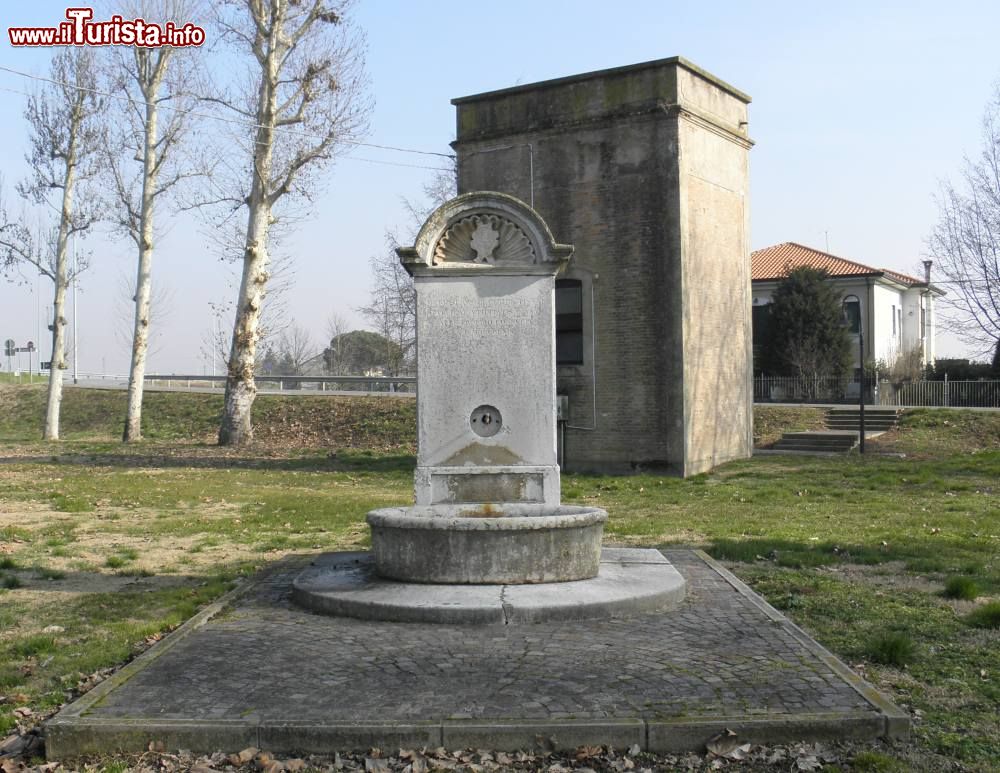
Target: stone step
point(855, 425)
point(855, 417)
point(868, 411)
point(830, 434)
point(849, 419)
point(817, 442)
point(804, 448)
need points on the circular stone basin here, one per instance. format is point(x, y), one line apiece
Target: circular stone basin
point(488, 544)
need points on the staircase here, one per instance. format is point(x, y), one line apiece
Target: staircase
point(842, 433)
point(818, 442)
point(876, 419)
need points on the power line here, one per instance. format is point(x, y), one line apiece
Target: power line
point(248, 124)
point(345, 157)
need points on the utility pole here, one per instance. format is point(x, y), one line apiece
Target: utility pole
point(38, 319)
point(76, 330)
point(215, 338)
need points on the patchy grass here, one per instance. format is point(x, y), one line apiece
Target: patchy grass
point(45, 573)
point(852, 548)
point(771, 421)
point(376, 423)
point(927, 433)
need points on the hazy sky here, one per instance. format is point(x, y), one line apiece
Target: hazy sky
point(859, 109)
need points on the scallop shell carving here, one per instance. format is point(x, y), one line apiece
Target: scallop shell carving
point(455, 246)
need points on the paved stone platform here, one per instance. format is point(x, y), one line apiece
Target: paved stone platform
point(255, 670)
point(630, 580)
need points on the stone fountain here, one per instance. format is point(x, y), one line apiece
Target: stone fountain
point(488, 539)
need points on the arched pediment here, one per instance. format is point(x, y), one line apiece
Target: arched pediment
point(484, 231)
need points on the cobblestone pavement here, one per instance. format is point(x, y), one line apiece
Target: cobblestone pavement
point(266, 660)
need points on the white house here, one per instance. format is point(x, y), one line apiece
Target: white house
point(895, 311)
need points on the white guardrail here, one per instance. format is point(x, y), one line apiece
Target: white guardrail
point(374, 384)
point(360, 384)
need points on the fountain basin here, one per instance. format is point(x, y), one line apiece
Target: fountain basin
point(487, 544)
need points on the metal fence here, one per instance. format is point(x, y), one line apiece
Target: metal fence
point(958, 394)
point(961, 394)
point(794, 389)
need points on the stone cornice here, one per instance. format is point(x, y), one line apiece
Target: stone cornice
point(648, 111)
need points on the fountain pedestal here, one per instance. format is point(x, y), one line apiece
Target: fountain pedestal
point(488, 539)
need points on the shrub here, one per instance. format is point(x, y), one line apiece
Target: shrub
point(10, 582)
point(986, 616)
point(892, 648)
point(961, 588)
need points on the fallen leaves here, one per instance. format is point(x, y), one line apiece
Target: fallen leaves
point(725, 751)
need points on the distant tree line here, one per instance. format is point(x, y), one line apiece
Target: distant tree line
point(355, 353)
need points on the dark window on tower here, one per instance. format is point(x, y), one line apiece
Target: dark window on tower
point(569, 322)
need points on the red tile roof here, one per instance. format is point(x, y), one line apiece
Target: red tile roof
point(775, 262)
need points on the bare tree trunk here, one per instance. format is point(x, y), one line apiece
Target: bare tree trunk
point(311, 77)
point(241, 388)
point(144, 276)
point(65, 134)
point(58, 363)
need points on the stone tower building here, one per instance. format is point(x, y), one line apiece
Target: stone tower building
point(644, 169)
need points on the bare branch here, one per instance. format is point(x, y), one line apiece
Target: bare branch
point(965, 241)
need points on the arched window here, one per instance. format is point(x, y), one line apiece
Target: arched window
point(569, 322)
point(852, 311)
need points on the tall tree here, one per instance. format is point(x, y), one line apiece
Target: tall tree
point(66, 137)
point(306, 97)
point(965, 242)
point(144, 164)
point(807, 335)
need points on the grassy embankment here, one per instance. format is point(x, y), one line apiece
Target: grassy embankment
point(104, 546)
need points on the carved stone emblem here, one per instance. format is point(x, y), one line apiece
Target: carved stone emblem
point(484, 239)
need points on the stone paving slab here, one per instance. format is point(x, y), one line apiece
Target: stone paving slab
point(631, 580)
point(257, 670)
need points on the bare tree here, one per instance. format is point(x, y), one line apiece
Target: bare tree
point(305, 96)
point(965, 242)
point(144, 164)
point(292, 350)
point(392, 304)
point(66, 135)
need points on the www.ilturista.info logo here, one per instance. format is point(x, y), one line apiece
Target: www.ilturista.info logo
point(79, 30)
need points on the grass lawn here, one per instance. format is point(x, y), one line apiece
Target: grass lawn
point(888, 560)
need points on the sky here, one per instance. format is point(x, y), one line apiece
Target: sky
point(860, 110)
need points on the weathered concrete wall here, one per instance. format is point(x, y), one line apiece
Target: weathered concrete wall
point(718, 395)
point(644, 169)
